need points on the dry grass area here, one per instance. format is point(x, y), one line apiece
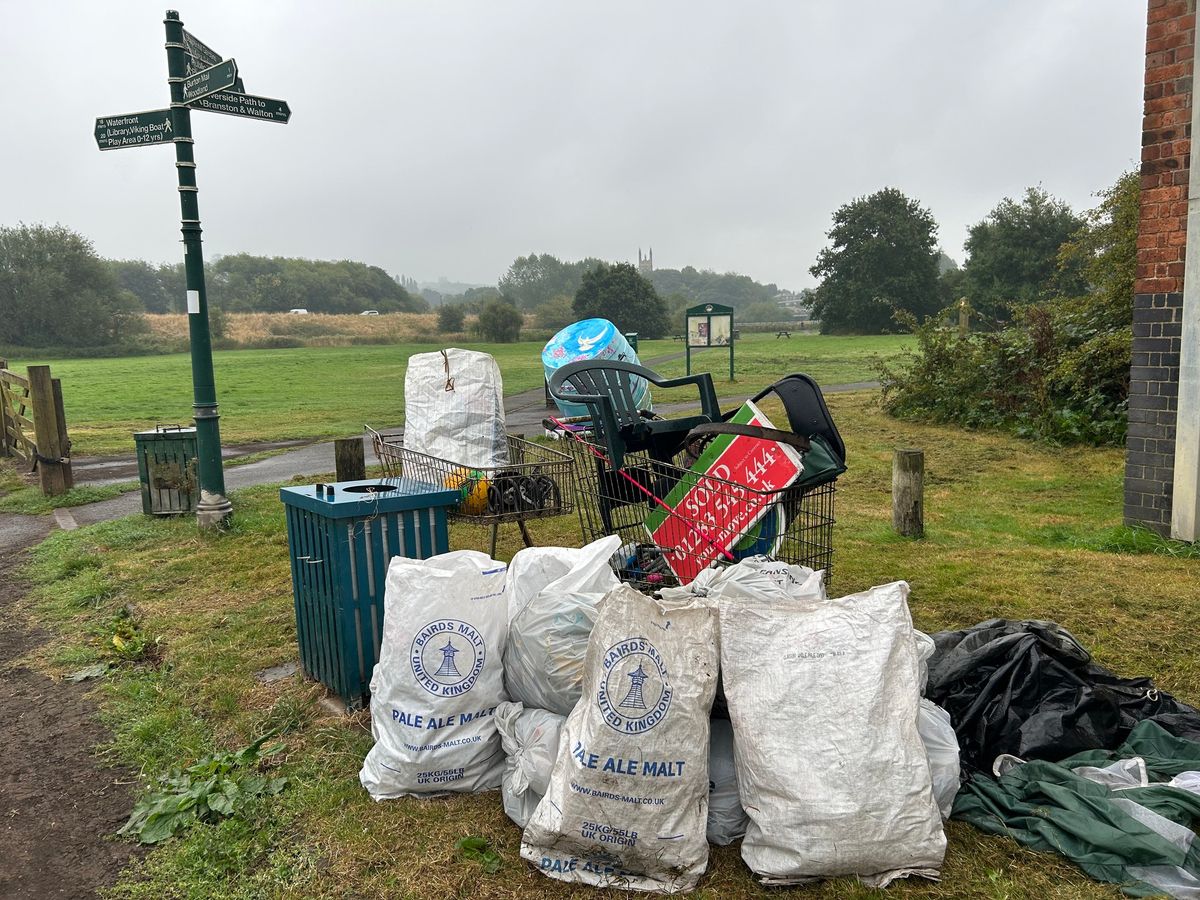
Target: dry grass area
point(1012, 529)
point(312, 330)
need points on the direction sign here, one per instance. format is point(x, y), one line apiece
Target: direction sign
point(208, 81)
point(134, 129)
point(201, 56)
point(234, 104)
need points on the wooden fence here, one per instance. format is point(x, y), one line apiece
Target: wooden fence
point(33, 425)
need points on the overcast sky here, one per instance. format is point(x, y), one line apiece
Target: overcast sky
point(446, 138)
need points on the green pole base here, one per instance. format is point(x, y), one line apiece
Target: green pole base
point(213, 511)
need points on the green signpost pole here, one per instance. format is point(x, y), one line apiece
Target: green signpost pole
point(214, 508)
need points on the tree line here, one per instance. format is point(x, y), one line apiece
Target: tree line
point(55, 291)
point(242, 282)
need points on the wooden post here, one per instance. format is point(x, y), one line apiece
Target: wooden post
point(349, 460)
point(60, 419)
point(908, 492)
point(45, 429)
point(4, 451)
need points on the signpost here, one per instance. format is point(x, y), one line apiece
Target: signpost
point(208, 81)
point(201, 56)
point(247, 105)
point(197, 76)
point(709, 325)
point(134, 129)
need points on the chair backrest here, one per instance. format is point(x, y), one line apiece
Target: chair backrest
point(806, 410)
point(602, 382)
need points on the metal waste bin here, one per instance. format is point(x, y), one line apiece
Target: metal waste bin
point(632, 337)
point(166, 457)
point(341, 537)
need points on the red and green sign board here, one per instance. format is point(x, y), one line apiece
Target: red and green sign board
point(726, 493)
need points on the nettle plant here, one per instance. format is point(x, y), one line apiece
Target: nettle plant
point(210, 789)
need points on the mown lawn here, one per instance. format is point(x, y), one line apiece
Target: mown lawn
point(1012, 531)
point(268, 395)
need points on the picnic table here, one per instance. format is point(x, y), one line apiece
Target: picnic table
point(786, 334)
point(677, 337)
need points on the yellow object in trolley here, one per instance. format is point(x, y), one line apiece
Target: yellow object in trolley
point(472, 486)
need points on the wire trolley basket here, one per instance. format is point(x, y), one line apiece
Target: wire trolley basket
point(675, 522)
point(537, 482)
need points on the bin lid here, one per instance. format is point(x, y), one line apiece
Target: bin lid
point(167, 431)
point(368, 497)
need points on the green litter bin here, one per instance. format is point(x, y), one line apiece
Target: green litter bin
point(632, 337)
point(341, 538)
point(166, 457)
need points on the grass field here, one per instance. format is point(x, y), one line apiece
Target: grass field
point(270, 395)
point(1013, 530)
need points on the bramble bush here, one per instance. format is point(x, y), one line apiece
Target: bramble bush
point(1047, 377)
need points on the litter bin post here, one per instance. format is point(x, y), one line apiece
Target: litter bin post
point(341, 538)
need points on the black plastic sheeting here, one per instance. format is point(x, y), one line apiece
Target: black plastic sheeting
point(1032, 690)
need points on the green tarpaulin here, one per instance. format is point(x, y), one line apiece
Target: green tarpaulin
point(1107, 833)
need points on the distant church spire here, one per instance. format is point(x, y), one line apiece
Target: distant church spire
point(645, 264)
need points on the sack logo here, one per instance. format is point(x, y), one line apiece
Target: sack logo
point(447, 656)
point(634, 693)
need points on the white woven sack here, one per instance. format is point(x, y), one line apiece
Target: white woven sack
point(823, 698)
point(439, 678)
point(557, 590)
point(628, 796)
point(530, 741)
point(454, 408)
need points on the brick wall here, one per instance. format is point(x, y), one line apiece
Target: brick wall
point(1162, 244)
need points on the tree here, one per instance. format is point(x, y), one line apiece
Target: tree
point(1014, 254)
point(144, 281)
point(618, 293)
point(1104, 250)
point(450, 318)
point(883, 260)
point(55, 291)
point(556, 314)
point(499, 322)
point(534, 280)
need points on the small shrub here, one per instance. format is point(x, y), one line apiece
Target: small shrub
point(450, 319)
point(218, 324)
point(555, 314)
point(499, 322)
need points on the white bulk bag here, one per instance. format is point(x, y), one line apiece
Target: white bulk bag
point(628, 797)
point(530, 741)
point(548, 634)
point(439, 678)
point(454, 408)
point(823, 698)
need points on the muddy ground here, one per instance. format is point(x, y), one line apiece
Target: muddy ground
point(59, 803)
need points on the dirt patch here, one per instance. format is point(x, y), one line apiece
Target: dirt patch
point(59, 804)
